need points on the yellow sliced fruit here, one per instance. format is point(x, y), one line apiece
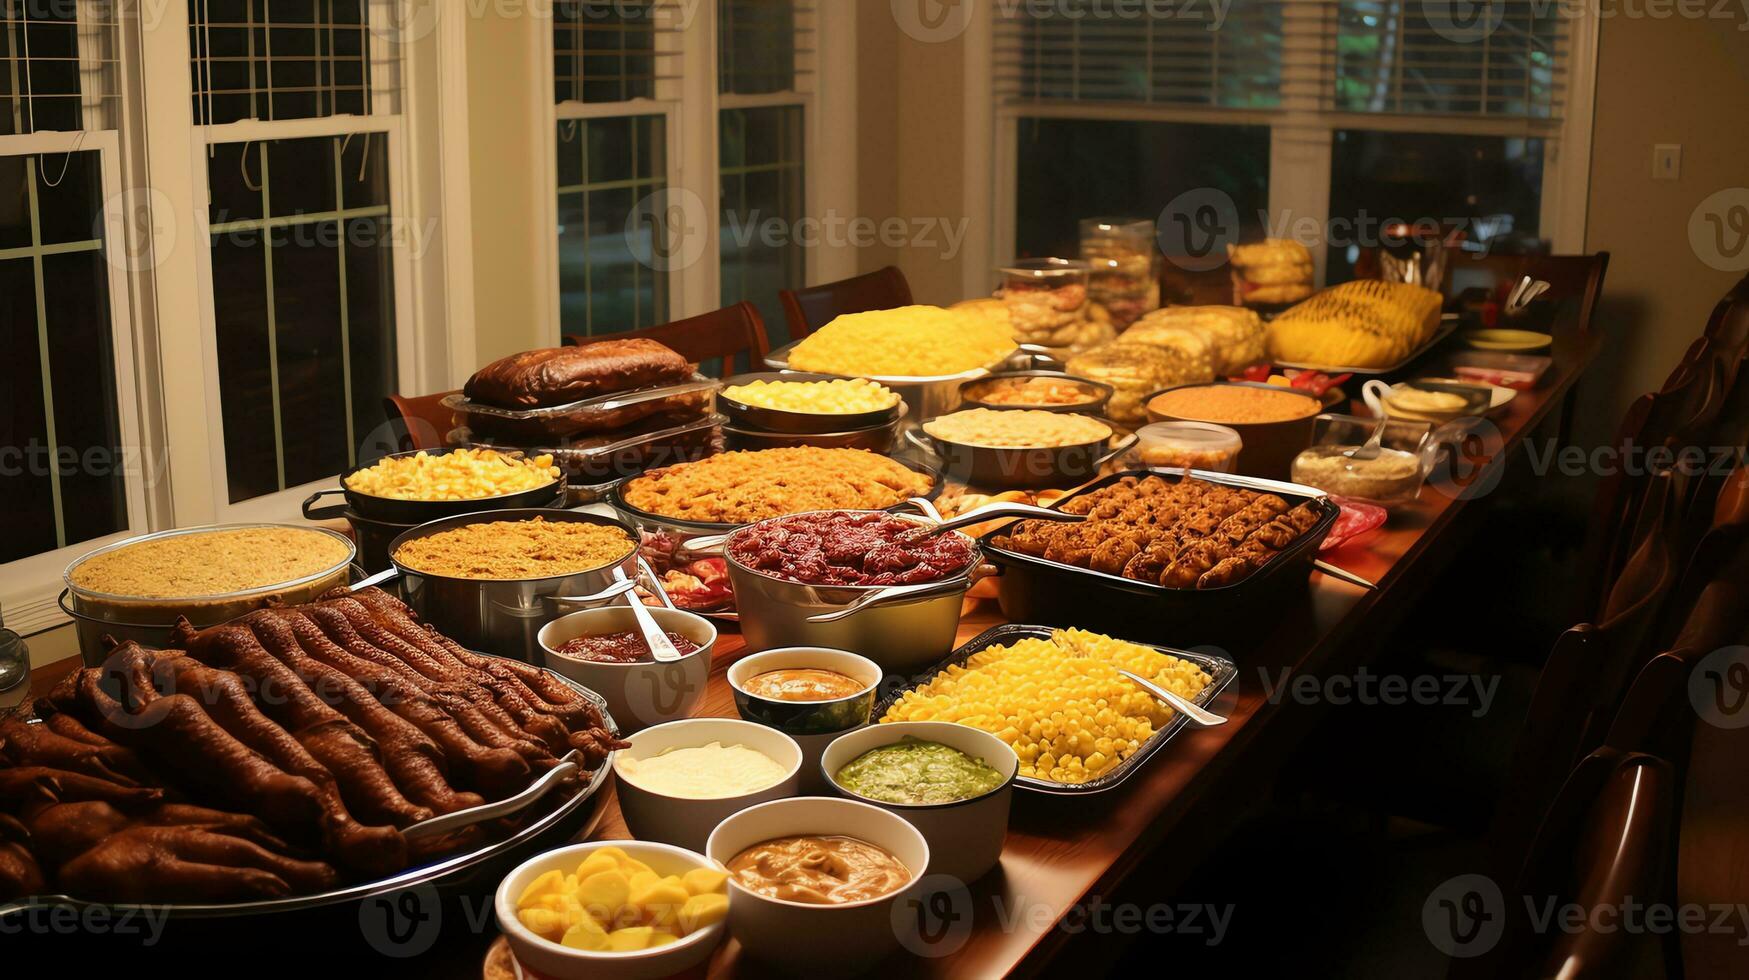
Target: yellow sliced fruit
point(586, 934)
point(544, 923)
point(547, 883)
point(596, 863)
point(603, 893)
point(703, 881)
point(702, 910)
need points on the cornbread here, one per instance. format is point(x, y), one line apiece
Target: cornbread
point(908, 342)
point(462, 474)
point(1059, 702)
point(1234, 404)
point(500, 550)
point(841, 396)
point(208, 576)
point(1017, 429)
point(742, 487)
point(209, 563)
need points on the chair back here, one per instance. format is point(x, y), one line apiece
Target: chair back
point(419, 421)
point(807, 310)
point(731, 334)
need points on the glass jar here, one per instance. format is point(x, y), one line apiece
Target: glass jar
point(1123, 271)
point(1047, 301)
point(14, 669)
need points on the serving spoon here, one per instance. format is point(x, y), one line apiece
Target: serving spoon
point(1197, 716)
point(990, 512)
point(661, 647)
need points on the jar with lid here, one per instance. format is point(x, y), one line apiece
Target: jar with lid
point(1122, 270)
point(1047, 304)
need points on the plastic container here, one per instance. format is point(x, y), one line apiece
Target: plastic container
point(679, 403)
point(1409, 449)
point(1180, 445)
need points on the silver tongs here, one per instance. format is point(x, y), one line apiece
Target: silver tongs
point(569, 765)
point(1523, 294)
point(990, 512)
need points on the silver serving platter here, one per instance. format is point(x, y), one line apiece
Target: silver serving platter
point(1448, 322)
point(1221, 672)
point(430, 874)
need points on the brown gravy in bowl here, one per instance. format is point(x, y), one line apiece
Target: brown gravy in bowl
point(819, 870)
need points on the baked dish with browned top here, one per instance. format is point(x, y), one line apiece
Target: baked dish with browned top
point(739, 488)
point(1185, 535)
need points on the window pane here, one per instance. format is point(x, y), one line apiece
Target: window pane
point(756, 46)
point(762, 175)
point(1072, 169)
point(609, 277)
point(1447, 57)
point(254, 59)
point(603, 50)
point(1489, 188)
point(62, 462)
point(304, 309)
point(44, 56)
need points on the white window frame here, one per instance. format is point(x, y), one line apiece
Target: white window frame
point(1300, 165)
point(691, 130)
point(29, 586)
point(177, 149)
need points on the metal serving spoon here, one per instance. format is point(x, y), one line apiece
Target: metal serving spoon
point(1197, 716)
point(661, 647)
point(990, 512)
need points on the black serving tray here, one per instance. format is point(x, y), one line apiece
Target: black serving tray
point(1033, 590)
point(1221, 672)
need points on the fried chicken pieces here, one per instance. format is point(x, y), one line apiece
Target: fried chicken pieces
point(1185, 535)
point(278, 754)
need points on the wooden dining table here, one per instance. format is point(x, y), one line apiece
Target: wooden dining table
point(1061, 851)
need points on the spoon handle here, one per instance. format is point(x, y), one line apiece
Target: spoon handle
point(1197, 715)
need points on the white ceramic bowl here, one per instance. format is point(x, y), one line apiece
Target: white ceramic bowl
point(838, 939)
point(687, 822)
point(563, 962)
point(813, 724)
point(638, 695)
point(965, 838)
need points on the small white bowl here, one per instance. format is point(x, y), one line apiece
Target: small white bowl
point(686, 822)
point(564, 963)
point(800, 936)
point(813, 724)
point(965, 837)
point(638, 695)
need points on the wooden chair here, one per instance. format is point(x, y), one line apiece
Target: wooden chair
point(420, 421)
point(807, 310)
point(1572, 278)
point(731, 333)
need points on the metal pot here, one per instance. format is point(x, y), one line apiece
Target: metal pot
point(757, 418)
point(1020, 468)
point(902, 628)
point(505, 616)
point(390, 510)
point(972, 392)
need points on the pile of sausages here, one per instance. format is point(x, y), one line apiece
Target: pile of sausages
point(281, 753)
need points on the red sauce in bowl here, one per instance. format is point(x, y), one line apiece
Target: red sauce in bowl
point(849, 548)
point(619, 648)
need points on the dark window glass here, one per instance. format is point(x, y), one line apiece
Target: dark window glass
point(603, 51)
point(756, 46)
point(1073, 168)
point(256, 59)
point(305, 309)
point(1445, 58)
point(1487, 188)
point(762, 200)
point(62, 463)
point(609, 170)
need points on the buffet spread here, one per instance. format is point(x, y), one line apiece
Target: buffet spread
point(276, 712)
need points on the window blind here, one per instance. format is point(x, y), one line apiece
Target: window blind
point(615, 50)
point(292, 59)
point(1501, 59)
point(765, 46)
point(59, 69)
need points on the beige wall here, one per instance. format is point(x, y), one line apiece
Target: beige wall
point(511, 283)
point(911, 104)
point(1660, 81)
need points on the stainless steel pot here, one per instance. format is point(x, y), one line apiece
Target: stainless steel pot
point(928, 397)
point(1020, 467)
point(903, 628)
point(505, 616)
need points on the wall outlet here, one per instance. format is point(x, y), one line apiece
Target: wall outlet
point(1667, 161)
